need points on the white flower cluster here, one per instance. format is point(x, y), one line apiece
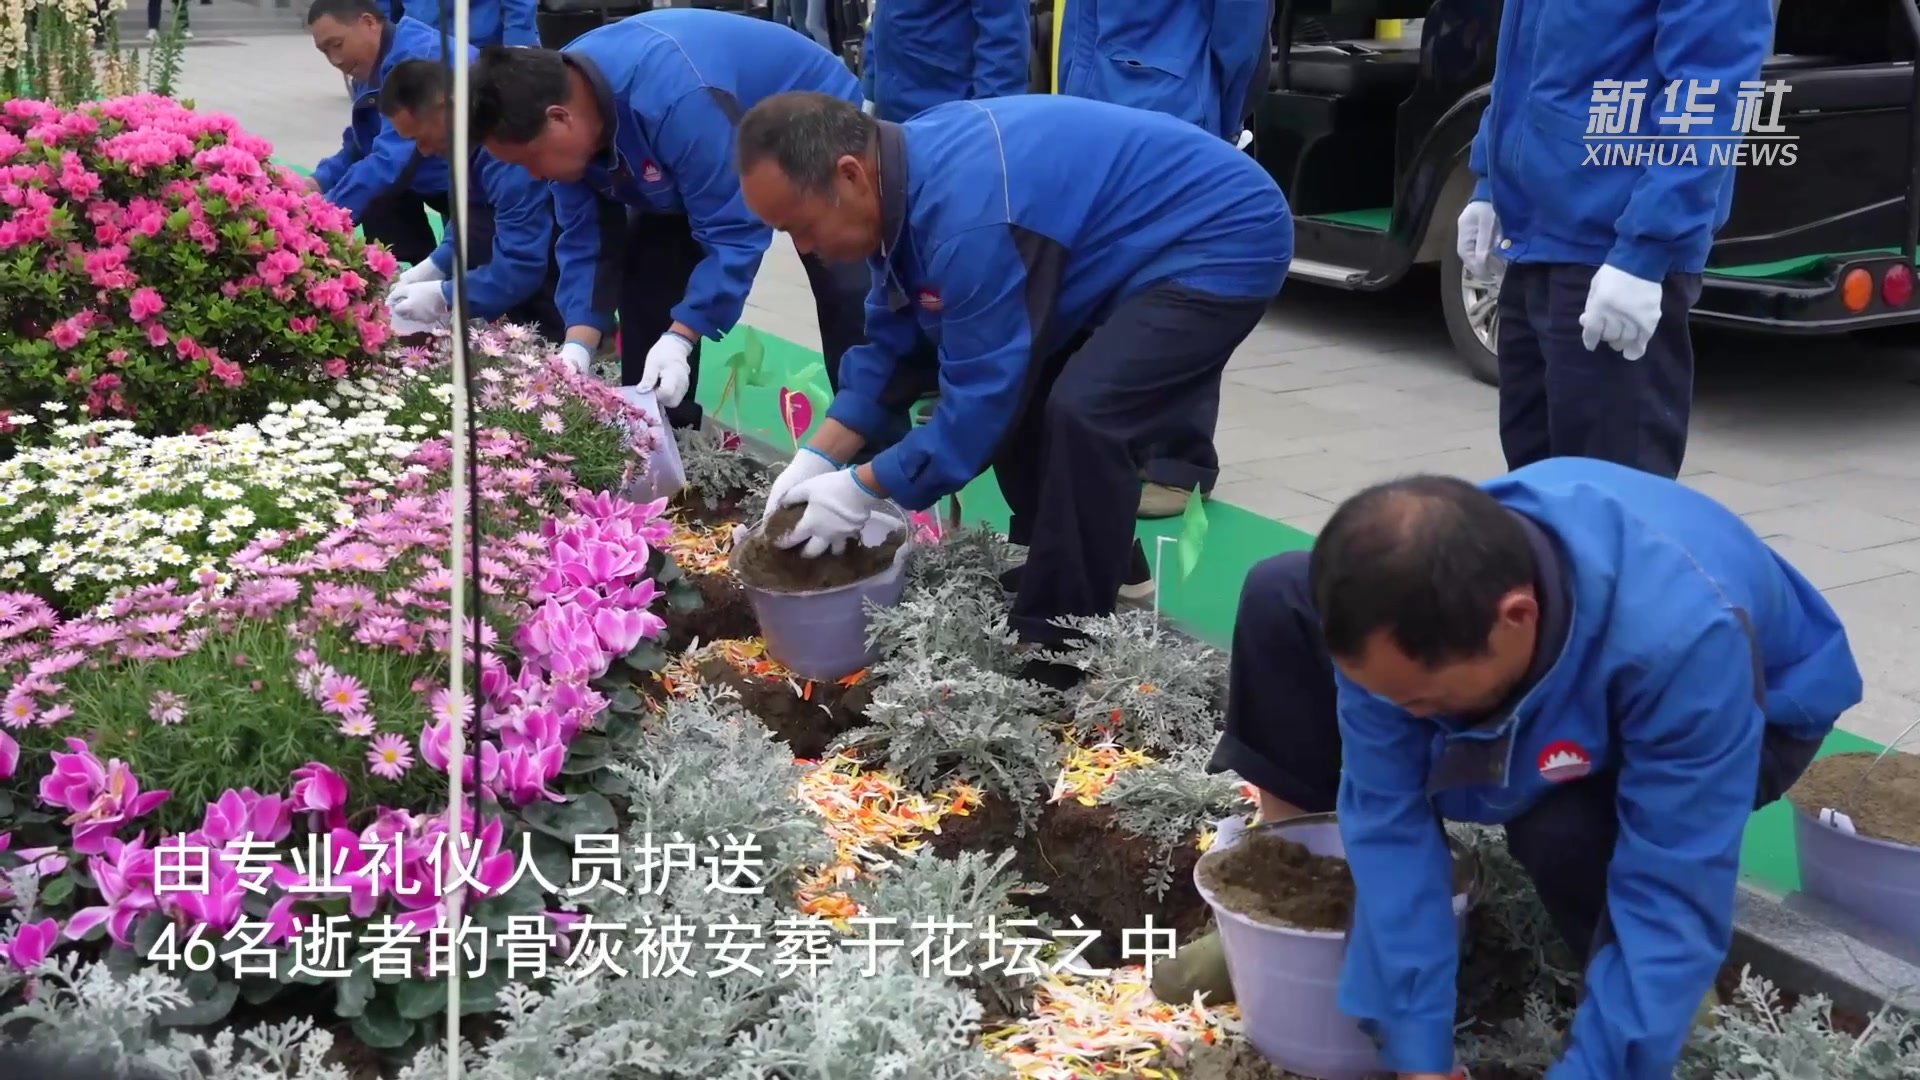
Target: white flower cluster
point(98, 509)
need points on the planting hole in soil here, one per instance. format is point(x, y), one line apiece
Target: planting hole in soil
point(1885, 807)
point(724, 615)
point(764, 566)
point(808, 725)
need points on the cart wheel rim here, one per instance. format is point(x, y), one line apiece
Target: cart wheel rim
point(1480, 301)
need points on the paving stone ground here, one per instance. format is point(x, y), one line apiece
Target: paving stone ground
point(1816, 442)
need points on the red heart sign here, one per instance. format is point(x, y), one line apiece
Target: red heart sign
point(797, 410)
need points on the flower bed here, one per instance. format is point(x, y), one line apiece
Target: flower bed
point(230, 713)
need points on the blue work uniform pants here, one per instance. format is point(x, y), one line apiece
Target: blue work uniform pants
point(658, 260)
point(1091, 414)
point(1557, 399)
point(1282, 735)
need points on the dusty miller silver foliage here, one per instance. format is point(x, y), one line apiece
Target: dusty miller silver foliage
point(716, 473)
point(1146, 687)
point(933, 721)
point(948, 621)
point(935, 902)
point(1170, 802)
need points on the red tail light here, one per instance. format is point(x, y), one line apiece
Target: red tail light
point(1896, 288)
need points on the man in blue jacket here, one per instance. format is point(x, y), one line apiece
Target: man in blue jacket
point(640, 115)
point(1072, 273)
point(1603, 261)
point(510, 226)
point(922, 53)
point(1204, 63)
point(378, 176)
point(491, 22)
point(1609, 664)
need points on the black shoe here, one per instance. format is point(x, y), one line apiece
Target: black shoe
point(1138, 585)
point(1010, 580)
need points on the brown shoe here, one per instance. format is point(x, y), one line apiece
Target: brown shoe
point(1160, 501)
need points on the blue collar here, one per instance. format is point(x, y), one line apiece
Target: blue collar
point(1480, 753)
point(892, 153)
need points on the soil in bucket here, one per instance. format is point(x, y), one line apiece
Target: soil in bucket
point(1273, 880)
point(779, 570)
point(1885, 807)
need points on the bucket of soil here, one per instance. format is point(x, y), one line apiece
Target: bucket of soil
point(1282, 897)
point(812, 611)
point(1864, 859)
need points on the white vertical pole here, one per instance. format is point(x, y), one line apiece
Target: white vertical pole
point(456, 675)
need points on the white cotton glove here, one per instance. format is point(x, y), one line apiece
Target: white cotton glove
point(1622, 310)
point(1228, 830)
point(577, 356)
point(867, 107)
point(667, 372)
point(806, 465)
point(837, 509)
point(424, 270)
point(423, 303)
point(1478, 240)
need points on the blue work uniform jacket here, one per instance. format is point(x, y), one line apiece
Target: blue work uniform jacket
point(373, 158)
point(671, 84)
point(1012, 224)
point(523, 231)
point(1197, 60)
point(1687, 639)
point(922, 53)
point(491, 22)
point(1656, 213)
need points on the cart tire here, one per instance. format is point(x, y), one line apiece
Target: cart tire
point(1473, 314)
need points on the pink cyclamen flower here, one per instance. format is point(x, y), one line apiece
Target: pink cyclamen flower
point(32, 944)
point(124, 876)
point(247, 815)
point(9, 758)
point(321, 793)
point(103, 798)
point(390, 757)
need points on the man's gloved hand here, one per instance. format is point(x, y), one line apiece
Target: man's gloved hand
point(577, 356)
point(1478, 239)
point(807, 464)
point(837, 509)
point(421, 302)
point(1228, 830)
point(867, 107)
point(424, 270)
point(1622, 310)
point(667, 372)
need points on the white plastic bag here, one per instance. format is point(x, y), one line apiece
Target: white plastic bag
point(664, 474)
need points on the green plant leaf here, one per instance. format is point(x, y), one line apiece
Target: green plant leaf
point(589, 753)
point(647, 656)
point(588, 813)
point(351, 994)
point(381, 1026)
point(57, 892)
point(421, 999)
point(213, 999)
point(685, 598)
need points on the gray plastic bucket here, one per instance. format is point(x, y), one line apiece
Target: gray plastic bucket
point(1286, 980)
point(822, 635)
point(1875, 881)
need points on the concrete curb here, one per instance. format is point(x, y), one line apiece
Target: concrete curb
point(1793, 941)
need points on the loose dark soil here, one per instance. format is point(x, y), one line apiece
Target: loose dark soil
point(808, 725)
point(724, 511)
point(725, 615)
point(1886, 807)
point(765, 566)
point(1090, 867)
point(1273, 880)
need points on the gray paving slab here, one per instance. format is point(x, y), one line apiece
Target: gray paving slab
point(1816, 442)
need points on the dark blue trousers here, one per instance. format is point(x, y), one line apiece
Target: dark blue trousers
point(1559, 400)
point(539, 310)
point(1283, 736)
point(1091, 415)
